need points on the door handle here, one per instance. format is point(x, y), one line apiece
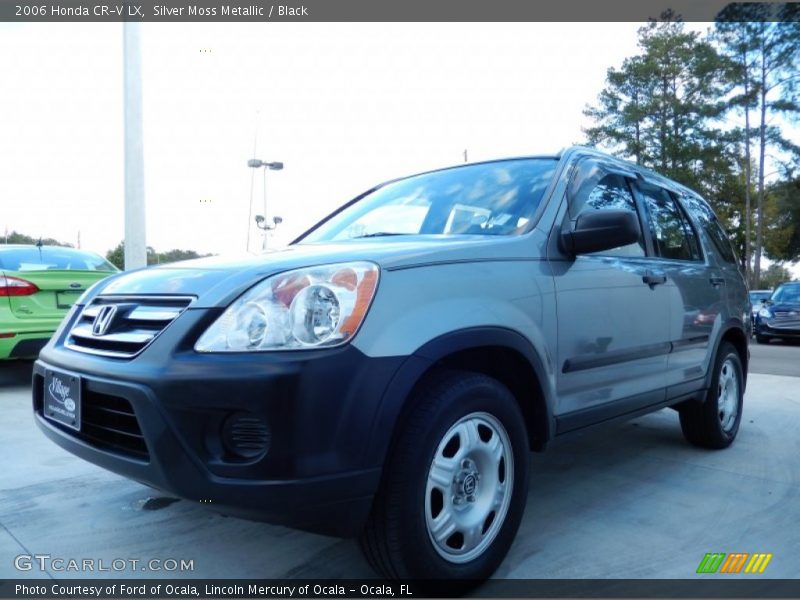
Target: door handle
point(717, 281)
point(654, 278)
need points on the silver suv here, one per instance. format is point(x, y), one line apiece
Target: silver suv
point(387, 374)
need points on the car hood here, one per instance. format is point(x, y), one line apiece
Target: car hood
point(784, 307)
point(216, 281)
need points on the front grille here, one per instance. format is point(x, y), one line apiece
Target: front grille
point(785, 319)
point(109, 422)
point(787, 314)
point(129, 324)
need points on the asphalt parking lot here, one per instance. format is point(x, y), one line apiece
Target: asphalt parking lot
point(627, 501)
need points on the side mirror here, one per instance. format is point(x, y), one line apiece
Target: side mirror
point(597, 230)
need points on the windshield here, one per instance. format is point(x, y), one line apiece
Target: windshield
point(758, 296)
point(497, 198)
point(789, 294)
point(52, 259)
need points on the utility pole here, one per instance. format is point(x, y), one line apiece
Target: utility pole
point(135, 243)
point(465, 155)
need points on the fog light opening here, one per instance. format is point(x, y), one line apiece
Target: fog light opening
point(246, 436)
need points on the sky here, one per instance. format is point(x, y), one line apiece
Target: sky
point(343, 105)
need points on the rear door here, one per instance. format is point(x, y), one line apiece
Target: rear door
point(718, 245)
point(697, 308)
point(612, 310)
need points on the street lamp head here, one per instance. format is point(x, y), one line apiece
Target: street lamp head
point(261, 222)
point(255, 163)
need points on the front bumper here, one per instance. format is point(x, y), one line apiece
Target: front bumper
point(319, 408)
point(767, 329)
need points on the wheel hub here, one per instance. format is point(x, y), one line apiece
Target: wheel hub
point(465, 483)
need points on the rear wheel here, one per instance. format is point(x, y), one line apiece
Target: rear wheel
point(455, 485)
point(714, 423)
point(763, 339)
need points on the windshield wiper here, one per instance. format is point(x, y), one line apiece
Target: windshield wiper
point(378, 234)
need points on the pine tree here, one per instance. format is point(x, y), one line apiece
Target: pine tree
point(736, 28)
point(765, 38)
point(661, 107)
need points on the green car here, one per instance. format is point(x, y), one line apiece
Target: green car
point(38, 285)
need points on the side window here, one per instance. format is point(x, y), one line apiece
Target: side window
point(611, 192)
point(708, 221)
point(721, 242)
point(673, 235)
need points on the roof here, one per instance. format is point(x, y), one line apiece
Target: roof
point(578, 151)
point(2, 246)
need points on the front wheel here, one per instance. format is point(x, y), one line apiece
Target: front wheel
point(714, 423)
point(455, 484)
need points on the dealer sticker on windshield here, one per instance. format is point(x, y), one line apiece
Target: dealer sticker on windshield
point(62, 398)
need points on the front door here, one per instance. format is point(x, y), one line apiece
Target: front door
point(613, 308)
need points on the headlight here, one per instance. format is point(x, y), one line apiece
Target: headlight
point(305, 308)
point(764, 313)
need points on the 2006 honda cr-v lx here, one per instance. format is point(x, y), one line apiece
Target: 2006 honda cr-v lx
point(387, 374)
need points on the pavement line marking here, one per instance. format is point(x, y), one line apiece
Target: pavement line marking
point(21, 545)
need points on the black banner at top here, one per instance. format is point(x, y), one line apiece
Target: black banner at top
point(364, 10)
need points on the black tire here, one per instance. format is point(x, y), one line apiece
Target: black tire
point(763, 339)
point(396, 540)
point(702, 423)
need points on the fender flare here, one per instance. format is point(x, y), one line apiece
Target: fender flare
point(389, 415)
point(729, 325)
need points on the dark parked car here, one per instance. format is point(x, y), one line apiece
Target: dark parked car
point(779, 317)
point(387, 374)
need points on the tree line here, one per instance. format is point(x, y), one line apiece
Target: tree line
point(116, 256)
point(712, 111)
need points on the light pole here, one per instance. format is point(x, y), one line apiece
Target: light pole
point(135, 244)
point(261, 220)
